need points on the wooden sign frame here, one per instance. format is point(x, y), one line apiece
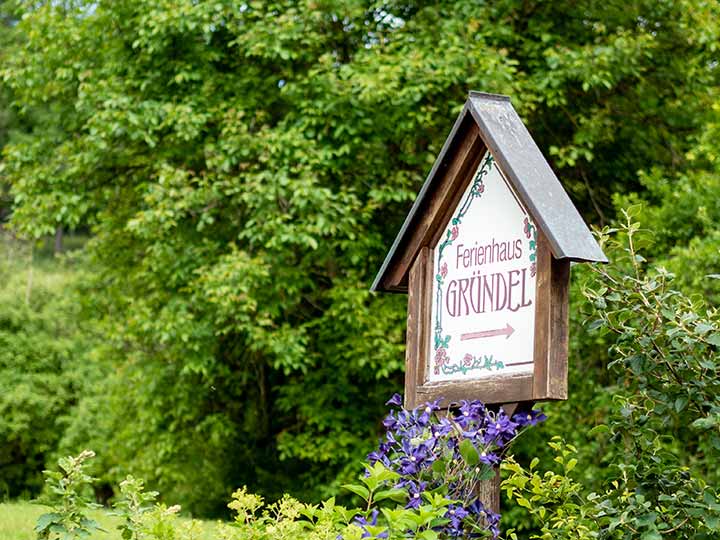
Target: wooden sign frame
point(548, 381)
point(488, 123)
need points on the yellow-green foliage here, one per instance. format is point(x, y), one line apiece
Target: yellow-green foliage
point(17, 520)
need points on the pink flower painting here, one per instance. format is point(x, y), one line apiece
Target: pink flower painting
point(441, 357)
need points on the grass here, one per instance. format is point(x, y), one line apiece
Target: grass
point(17, 520)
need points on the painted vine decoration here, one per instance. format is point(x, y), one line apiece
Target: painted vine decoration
point(531, 234)
point(441, 359)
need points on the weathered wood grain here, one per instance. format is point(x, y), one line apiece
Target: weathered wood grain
point(502, 389)
point(489, 492)
point(417, 322)
point(551, 325)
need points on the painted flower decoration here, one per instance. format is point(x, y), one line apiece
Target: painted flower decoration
point(467, 359)
point(533, 269)
point(441, 357)
point(454, 233)
point(526, 227)
point(443, 270)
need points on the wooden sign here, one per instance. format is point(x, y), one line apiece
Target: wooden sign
point(483, 287)
point(485, 258)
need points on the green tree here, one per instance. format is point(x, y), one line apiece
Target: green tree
point(9, 121)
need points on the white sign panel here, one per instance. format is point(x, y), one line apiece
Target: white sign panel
point(483, 297)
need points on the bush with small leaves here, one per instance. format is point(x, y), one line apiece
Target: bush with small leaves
point(132, 505)
point(67, 495)
point(666, 357)
point(422, 483)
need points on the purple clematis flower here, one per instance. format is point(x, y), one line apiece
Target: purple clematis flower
point(456, 514)
point(442, 428)
point(363, 523)
point(425, 411)
point(468, 413)
point(390, 421)
point(500, 430)
point(415, 493)
point(422, 448)
point(531, 418)
point(374, 457)
point(414, 458)
point(492, 520)
point(489, 458)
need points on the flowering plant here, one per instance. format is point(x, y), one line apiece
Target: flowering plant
point(422, 483)
point(430, 454)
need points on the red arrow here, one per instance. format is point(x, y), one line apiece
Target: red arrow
point(507, 332)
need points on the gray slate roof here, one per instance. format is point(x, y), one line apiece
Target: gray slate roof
point(520, 159)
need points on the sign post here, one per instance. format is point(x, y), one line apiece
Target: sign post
point(484, 256)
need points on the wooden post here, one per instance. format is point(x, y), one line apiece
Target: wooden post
point(489, 492)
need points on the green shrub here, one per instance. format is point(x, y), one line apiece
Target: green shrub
point(422, 482)
point(43, 363)
point(664, 428)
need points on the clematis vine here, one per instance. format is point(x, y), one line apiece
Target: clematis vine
point(450, 452)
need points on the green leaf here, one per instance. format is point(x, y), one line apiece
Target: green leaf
point(361, 491)
point(395, 494)
point(705, 423)
point(681, 403)
point(594, 325)
point(703, 328)
point(469, 453)
point(439, 466)
point(45, 520)
point(600, 428)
